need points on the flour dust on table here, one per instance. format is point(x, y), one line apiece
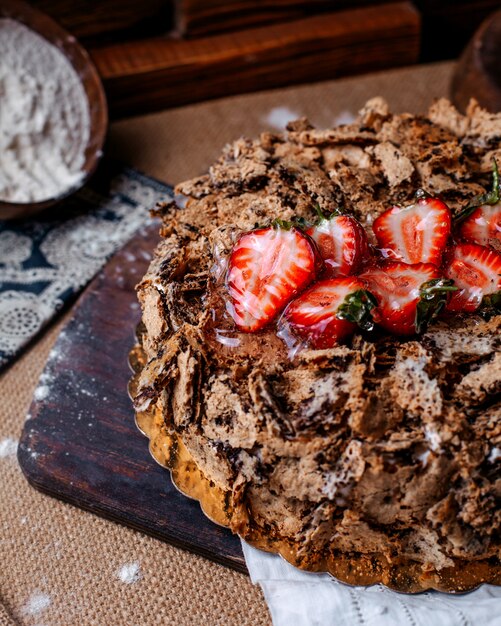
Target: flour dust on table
point(8, 448)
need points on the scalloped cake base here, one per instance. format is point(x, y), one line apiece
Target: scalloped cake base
point(403, 575)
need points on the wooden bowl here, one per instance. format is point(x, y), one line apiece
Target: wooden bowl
point(98, 110)
point(478, 73)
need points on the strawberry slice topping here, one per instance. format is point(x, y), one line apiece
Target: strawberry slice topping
point(328, 312)
point(476, 271)
point(414, 234)
point(483, 226)
point(267, 268)
point(342, 243)
point(408, 296)
point(480, 222)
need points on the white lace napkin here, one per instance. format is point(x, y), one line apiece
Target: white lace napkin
point(45, 261)
point(297, 598)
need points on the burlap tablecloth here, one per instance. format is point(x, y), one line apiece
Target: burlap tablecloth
point(63, 566)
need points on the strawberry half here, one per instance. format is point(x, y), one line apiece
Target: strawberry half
point(342, 243)
point(408, 296)
point(483, 226)
point(480, 222)
point(476, 271)
point(267, 268)
point(328, 312)
point(417, 233)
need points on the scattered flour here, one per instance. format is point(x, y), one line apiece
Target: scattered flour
point(36, 603)
point(433, 438)
point(181, 200)
point(55, 354)
point(33, 454)
point(494, 455)
point(279, 117)
point(44, 118)
point(345, 117)
point(129, 573)
point(8, 447)
point(424, 457)
point(41, 392)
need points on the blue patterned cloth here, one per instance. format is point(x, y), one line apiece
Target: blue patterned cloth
point(45, 261)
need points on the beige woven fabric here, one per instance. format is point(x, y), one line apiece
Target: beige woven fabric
point(62, 566)
point(5, 619)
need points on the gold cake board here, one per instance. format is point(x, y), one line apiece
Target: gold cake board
point(404, 576)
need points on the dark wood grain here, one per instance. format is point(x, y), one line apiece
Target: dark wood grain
point(157, 73)
point(195, 18)
point(81, 443)
point(104, 20)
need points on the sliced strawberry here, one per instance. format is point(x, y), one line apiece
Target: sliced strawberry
point(480, 222)
point(342, 243)
point(408, 296)
point(416, 233)
point(328, 312)
point(476, 271)
point(267, 268)
point(483, 226)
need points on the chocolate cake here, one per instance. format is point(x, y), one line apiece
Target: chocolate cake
point(381, 452)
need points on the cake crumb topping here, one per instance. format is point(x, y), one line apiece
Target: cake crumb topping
point(383, 445)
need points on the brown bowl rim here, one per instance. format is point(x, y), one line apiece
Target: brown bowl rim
point(80, 60)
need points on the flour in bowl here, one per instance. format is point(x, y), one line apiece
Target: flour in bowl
point(44, 117)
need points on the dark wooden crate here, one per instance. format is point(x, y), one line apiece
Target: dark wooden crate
point(157, 73)
point(195, 18)
point(111, 20)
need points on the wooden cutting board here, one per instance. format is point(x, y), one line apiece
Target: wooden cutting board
point(81, 443)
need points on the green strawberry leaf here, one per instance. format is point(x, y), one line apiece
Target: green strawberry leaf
point(491, 197)
point(324, 217)
point(491, 303)
point(319, 212)
point(432, 299)
point(282, 224)
point(357, 307)
point(300, 222)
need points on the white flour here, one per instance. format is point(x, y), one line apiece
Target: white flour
point(129, 573)
point(44, 117)
point(8, 447)
point(279, 117)
point(36, 603)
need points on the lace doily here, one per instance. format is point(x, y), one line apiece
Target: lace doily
point(45, 261)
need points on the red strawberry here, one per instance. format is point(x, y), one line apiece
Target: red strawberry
point(267, 268)
point(416, 233)
point(483, 226)
point(342, 243)
point(328, 312)
point(408, 296)
point(476, 271)
point(480, 222)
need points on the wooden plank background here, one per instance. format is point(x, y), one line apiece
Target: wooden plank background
point(155, 54)
point(148, 75)
point(99, 21)
point(195, 18)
